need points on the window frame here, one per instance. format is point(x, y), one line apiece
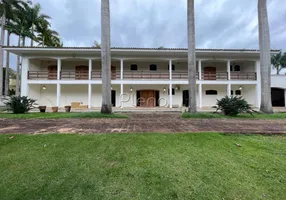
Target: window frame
point(153, 65)
point(211, 92)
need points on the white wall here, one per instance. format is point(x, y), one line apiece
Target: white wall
point(47, 97)
point(278, 81)
point(73, 93)
point(248, 92)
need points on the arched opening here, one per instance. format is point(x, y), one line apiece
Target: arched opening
point(278, 97)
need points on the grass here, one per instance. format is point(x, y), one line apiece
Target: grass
point(209, 115)
point(60, 115)
point(142, 166)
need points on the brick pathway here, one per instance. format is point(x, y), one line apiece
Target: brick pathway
point(159, 122)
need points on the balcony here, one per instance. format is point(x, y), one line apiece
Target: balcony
point(138, 75)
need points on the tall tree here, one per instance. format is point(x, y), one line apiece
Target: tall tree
point(106, 106)
point(35, 18)
point(192, 57)
point(7, 77)
point(6, 10)
point(278, 61)
point(265, 54)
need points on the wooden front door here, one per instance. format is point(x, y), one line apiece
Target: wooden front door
point(52, 72)
point(113, 72)
point(147, 98)
point(81, 72)
point(209, 73)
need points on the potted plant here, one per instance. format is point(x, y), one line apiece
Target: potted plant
point(55, 109)
point(42, 109)
point(67, 108)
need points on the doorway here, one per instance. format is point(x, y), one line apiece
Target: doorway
point(81, 72)
point(113, 73)
point(186, 98)
point(209, 73)
point(52, 72)
point(278, 97)
point(148, 98)
point(113, 98)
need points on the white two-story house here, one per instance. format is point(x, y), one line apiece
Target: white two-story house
point(141, 77)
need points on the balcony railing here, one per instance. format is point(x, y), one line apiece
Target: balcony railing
point(77, 75)
point(243, 76)
point(143, 75)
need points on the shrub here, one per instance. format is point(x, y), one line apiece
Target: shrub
point(233, 106)
point(18, 104)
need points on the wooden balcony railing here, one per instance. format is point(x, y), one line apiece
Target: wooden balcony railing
point(164, 75)
point(42, 75)
point(214, 76)
point(243, 76)
point(77, 75)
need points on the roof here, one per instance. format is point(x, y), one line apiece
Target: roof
point(138, 48)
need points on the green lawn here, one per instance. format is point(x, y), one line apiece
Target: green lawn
point(142, 166)
point(60, 115)
point(209, 115)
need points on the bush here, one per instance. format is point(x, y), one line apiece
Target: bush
point(233, 106)
point(18, 104)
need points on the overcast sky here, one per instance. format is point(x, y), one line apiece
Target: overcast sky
point(154, 23)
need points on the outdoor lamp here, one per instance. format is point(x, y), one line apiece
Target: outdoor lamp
point(164, 89)
point(44, 87)
point(240, 87)
point(131, 89)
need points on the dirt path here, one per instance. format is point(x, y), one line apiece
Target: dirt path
point(160, 122)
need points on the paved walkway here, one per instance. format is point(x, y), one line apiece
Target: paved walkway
point(151, 122)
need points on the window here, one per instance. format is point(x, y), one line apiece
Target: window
point(211, 92)
point(173, 91)
point(153, 67)
point(235, 68)
point(133, 67)
point(237, 92)
point(231, 92)
point(173, 67)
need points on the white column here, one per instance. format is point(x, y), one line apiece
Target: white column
point(171, 95)
point(89, 68)
point(59, 68)
point(89, 95)
point(229, 90)
point(121, 69)
point(258, 85)
point(121, 95)
point(24, 77)
point(170, 69)
point(201, 95)
point(58, 94)
point(228, 70)
point(200, 70)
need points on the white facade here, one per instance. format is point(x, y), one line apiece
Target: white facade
point(76, 76)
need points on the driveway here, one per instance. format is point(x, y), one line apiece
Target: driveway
point(142, 123)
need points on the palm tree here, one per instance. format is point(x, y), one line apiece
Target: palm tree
point(19, 27)
point(46, 36)
point(6, 11)
point(191, 57)
point(265, 54)
point(35, 18)
point(106, 106)
point(278, 61)
point(7, 78)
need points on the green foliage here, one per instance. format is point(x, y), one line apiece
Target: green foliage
point(18, 104)
point(279, 61)
point(234, 105)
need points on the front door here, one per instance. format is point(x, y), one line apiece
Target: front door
point(147, 98)
point(113, 72)
point(52, 72)
point(209, 73)
point(81, 72)
point(186, 98)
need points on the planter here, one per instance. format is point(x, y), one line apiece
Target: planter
point(42, 109)
point(55, 109)
point(67, 108)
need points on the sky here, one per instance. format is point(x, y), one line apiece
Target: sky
point(155, 23)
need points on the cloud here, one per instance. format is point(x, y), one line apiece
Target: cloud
point(154, 23)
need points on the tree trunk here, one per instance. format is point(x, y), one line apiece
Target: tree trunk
point(106, 106)
point(32, 41)
point(2, 51)
point(18, 71)
point(191, 57)
point(7, 78)
point(265, 57)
